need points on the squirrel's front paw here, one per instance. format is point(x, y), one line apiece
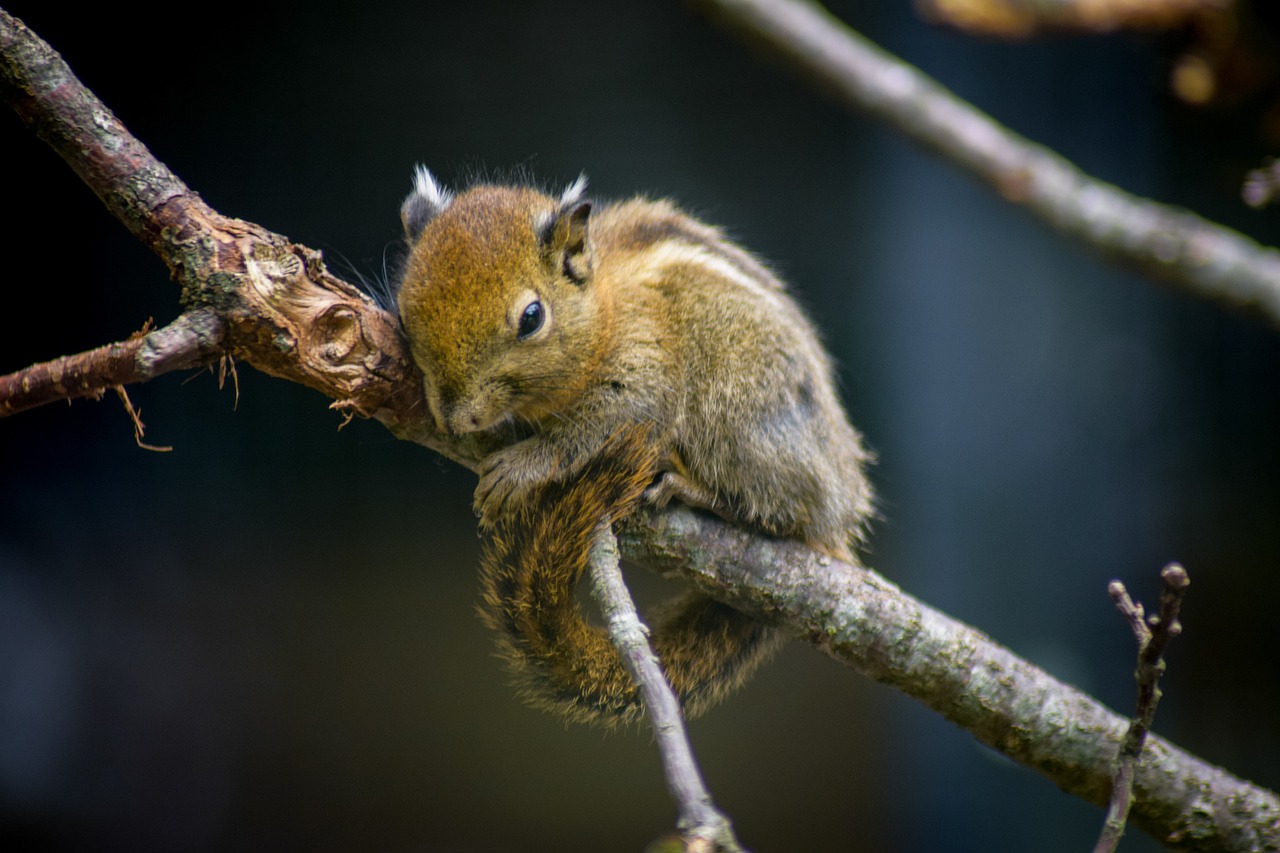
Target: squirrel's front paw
point(501, 484)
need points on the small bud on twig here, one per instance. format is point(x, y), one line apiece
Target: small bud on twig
point(1152, 634)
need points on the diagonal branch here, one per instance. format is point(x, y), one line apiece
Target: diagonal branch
point(284, 313)
point(46, 95)
point(1159, 240)
point(274, 303)
point(861, 619)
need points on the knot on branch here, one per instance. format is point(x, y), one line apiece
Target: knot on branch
point(338, 334)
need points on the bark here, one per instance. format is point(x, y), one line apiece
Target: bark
point(192, 340)
point(861, 619)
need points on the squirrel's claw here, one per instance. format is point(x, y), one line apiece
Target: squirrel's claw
point(490, 495)
point(503, 478)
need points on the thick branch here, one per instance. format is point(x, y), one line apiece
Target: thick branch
point(1160, 240)
point(193, 340)
point(46, 95)
point(278, 308)
point(863, 620)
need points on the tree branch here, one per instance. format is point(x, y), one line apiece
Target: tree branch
point(1027, 18)
point(703, 827)
point(861, 619)
point(193, 340)
point(1159, 240)
point(284, 313)
point(278, 306)
point(46, 95)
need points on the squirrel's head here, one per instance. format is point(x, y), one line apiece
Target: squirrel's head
point(497, 300)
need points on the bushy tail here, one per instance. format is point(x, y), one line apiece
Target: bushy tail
point(530, 566)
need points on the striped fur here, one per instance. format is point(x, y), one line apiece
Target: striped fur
point(531, 563)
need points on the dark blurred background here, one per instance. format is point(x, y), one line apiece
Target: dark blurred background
point(265, 640)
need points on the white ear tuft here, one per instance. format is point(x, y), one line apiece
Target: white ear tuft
point(574, 192)
point(426, 185)
point(425, 203)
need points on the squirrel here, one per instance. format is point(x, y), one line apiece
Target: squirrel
point(619, 354)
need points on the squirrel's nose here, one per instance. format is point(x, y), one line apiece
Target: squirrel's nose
point(463, 423)
point(460, 416)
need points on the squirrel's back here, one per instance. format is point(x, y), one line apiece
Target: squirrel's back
point(758, 424)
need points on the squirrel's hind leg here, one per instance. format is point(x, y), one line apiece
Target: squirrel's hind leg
point(672, 485)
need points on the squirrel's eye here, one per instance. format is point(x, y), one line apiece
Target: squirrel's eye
point(531, 319)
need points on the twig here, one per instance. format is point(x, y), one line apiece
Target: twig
point(1152, 636)
point(1164, 241)
point(193, 340)
point(1261, 185)
point(861, 619)
point(703, 827)
point(227, 365)
point(139, 428)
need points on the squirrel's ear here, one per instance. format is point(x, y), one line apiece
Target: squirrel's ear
point(424, 204)
point(571, 239)
point(568, 234)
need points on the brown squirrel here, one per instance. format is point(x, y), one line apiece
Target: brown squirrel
point(619, 354)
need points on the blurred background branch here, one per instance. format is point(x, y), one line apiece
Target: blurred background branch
point(1162, 241)
point(1026, 18)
